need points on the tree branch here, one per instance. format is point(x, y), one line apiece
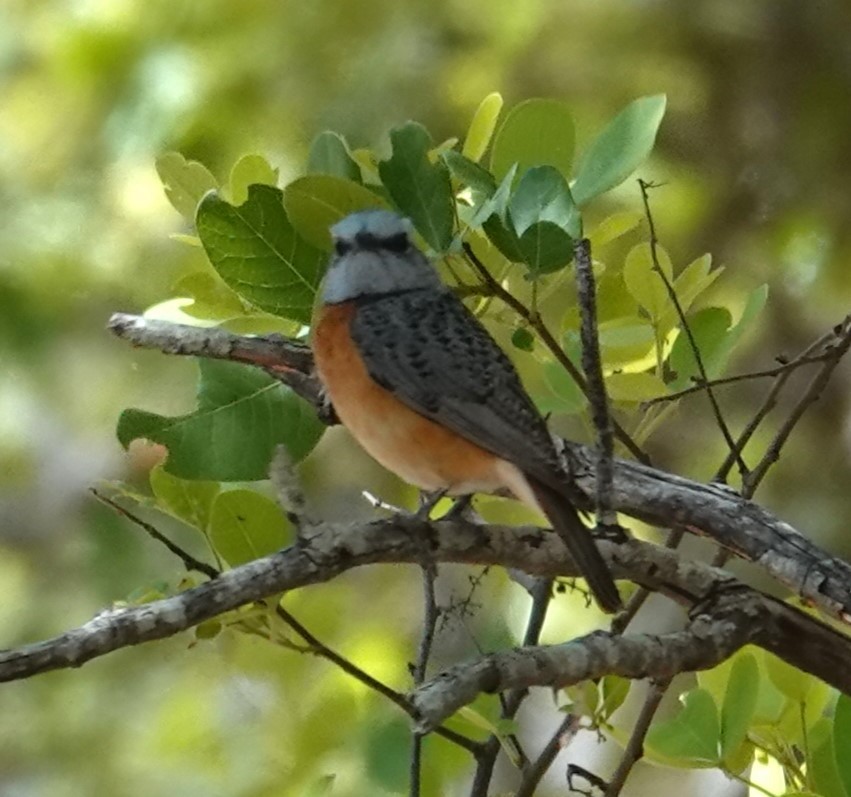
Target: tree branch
point(728, 620)
point(328, 550)
point(652, 495)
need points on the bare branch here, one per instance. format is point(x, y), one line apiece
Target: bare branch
point(326, 551)
point(695, 349)
point(288, 360)
point(649, 494)
point(634, 749)
point(728, 620)
point(189, 561)
point(593, 368)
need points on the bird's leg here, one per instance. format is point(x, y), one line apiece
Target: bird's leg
point(457, 510)
point(428, 501)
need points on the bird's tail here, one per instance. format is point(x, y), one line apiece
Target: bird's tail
point(577, 537)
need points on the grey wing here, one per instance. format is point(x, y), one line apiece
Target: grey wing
point(435, 356)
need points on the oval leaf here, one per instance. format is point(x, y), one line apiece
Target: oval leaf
point(644, 283)
point(634, 387)
point(247, 171)
point(690, 739)
point(190, 501)
point(185, 182)
point(542, 194)
point(842, 740)
point(620, 149)
point(482, 127)
point(421, 189)
point(316, 202)
point(329, 154)
point(536, 132)
point(739, 705)
point(245, 525)
point(242, 415)
point(258, 253)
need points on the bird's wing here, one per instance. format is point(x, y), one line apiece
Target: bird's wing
point(435, 356)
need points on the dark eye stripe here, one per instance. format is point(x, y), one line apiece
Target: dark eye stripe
point(397, 243)
point(341, 247)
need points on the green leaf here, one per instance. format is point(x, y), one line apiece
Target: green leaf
point(770, 702)
point(716, 338)
point(247, 171)
point(185, 182)
point(242, 414)
point(625, 340)
point(738, 708)
point(644, 283)
point(545, 247)
point(615, 690)
point(563, 395)
point(482, 126)
point(421, 189)
point(245, 525)
point(542, 195)
point(842, 741)
point(620, 149)
point(470, 174)
point(750, 312)
point(523, 339)
point(316, 202)
point(634, 388)
point(386, 755)
point(791, 681)
point(709, 330)
point(329, 154)
point(209, 629)
point(822, 763)
point(534, 133)
point(691, 739)
point(258, 253)
point(495, 205)
point(212, 299)
point(613, 227)
point(694, 279)
point(189, 501)
point(504, 239)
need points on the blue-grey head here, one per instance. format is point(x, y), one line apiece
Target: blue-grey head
point(374, 254)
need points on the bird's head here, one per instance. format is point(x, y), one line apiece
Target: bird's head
point(374, 255)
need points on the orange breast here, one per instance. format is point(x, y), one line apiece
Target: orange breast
point(420, 451)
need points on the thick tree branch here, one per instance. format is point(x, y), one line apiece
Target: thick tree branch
point(728, 620)
point(328, 550)
point(652, 495)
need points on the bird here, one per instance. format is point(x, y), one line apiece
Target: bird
point(423, 387)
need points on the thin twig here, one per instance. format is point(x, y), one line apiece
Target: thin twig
point(350, 668)
point(189, 561)
point(596, 386)
point(811, 395)
point(700, 385)
point(537, 323)
point(540, 766)
point(541, 596)
point(634, 749)
point(672, 295)
point(770, 401)
point(431, 613)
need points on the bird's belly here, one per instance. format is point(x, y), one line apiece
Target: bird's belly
point(414, 447)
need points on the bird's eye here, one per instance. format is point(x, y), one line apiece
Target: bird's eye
point(397, 243)
point(341, 247)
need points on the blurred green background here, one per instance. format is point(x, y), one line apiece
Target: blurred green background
point(755, 152)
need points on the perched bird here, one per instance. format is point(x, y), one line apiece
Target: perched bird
point(425, 389)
